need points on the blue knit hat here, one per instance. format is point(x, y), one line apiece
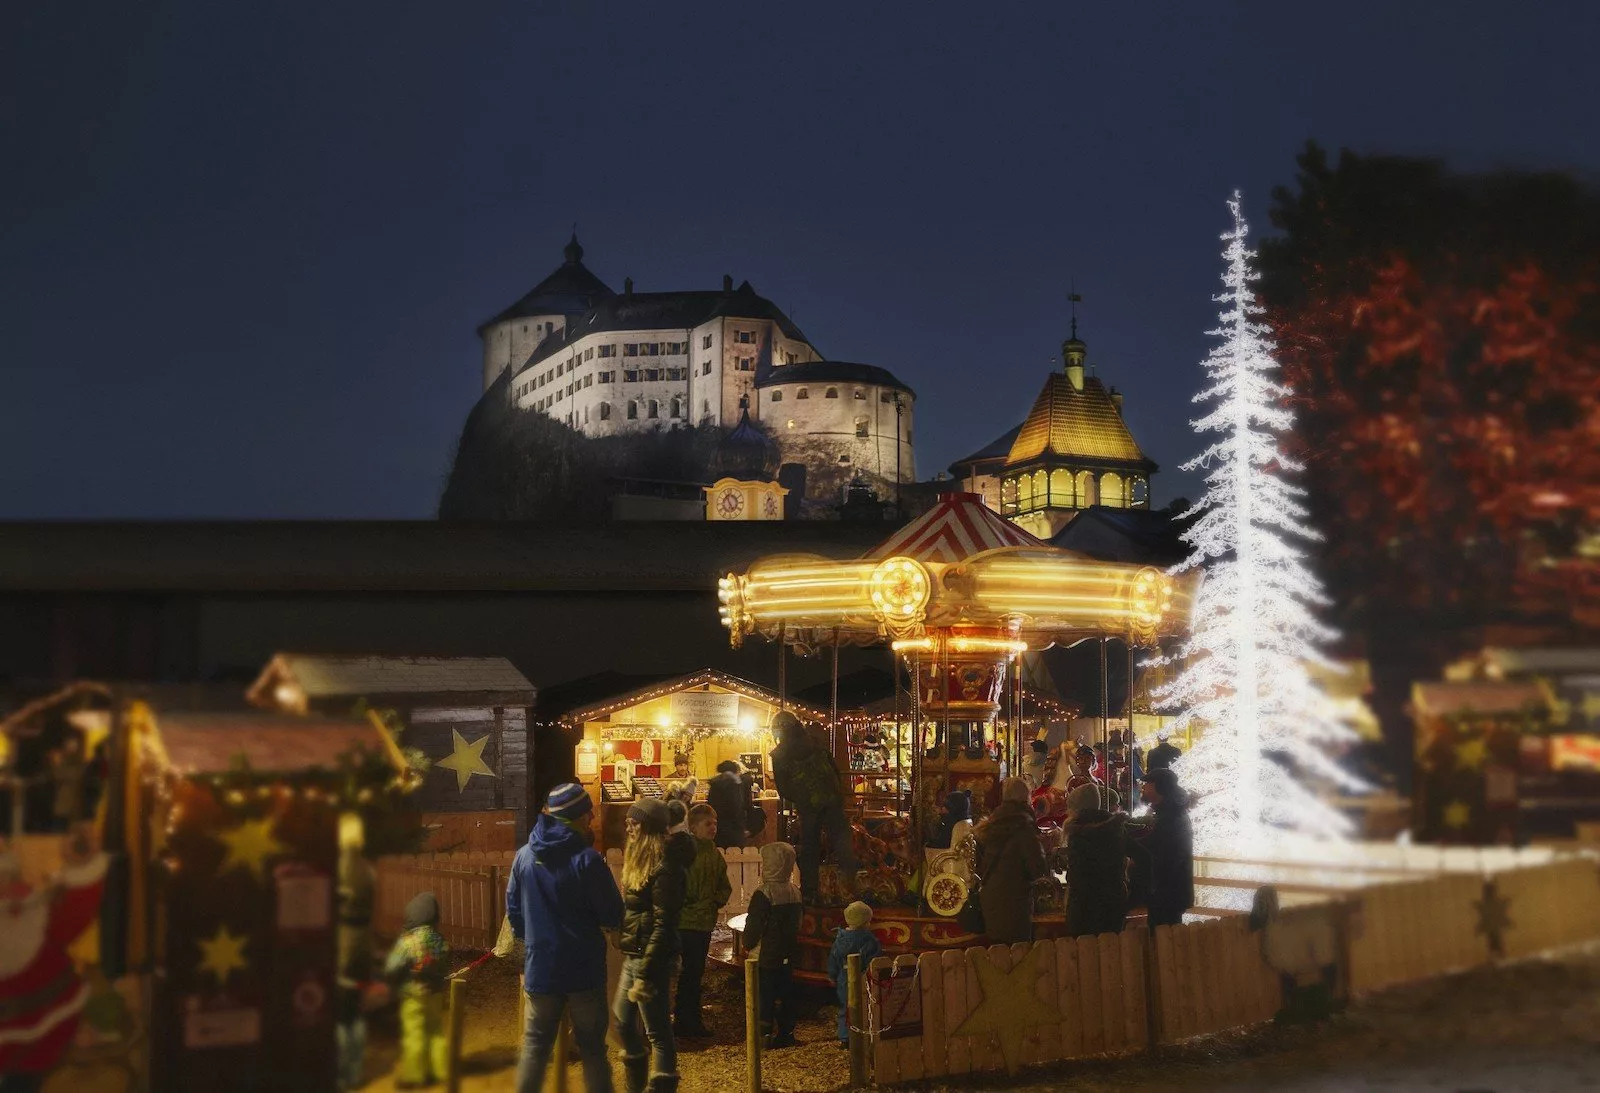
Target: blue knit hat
point(568, 801)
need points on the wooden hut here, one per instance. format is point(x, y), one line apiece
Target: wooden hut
point(467, 715)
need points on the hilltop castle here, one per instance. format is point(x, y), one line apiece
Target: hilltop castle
point(605, 363)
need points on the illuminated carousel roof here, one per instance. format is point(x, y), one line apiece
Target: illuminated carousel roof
point(959, 571)
point(958, 527)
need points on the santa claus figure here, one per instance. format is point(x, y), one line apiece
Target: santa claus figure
point(41, 993)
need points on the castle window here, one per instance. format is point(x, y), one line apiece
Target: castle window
point(832, 392)
point(633, 410)
point(608, 377)
point(608, 350)
point(588, 354)
point(588, 381)
point(747, 364)
point(655, 409)
point(745, 337)
point(791, 423)
point(630, 375)
point(561, 368)
point(605, 411)
point(1111, 490)
point(586, 415)
point(705, 407)
point(524, 328)
point(861, 427)
point(705, 342)
point(652, 374)
point(705, 369)
point(777, 396)
point(650, 349)
point(1086, 490)
point(1061, 488)
point(884, 398)
point(676, 409)
point(860, 395)
point(802, 393)
point(630, 349)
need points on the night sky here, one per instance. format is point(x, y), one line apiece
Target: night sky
point(244, 247)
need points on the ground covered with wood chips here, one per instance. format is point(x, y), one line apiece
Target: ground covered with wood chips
point(1532, 1027)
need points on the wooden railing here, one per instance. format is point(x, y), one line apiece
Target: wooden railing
point(1125, 992)
point(470, 889)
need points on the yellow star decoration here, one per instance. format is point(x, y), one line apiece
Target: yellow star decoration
point(466, 759)
point(223, 955)
point(249, 846)
point(1470, 754)
point(1457, 815)
point(1011, 1004)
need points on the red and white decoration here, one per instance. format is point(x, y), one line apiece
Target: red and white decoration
point(955, 529)
point(41, 993)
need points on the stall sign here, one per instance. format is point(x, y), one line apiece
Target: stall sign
point(219, 1021)
point(305, 898)
point(705, 708)
point(897, 994)
point(1570, 751)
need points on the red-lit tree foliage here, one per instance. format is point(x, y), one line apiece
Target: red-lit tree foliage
point(1442, 336)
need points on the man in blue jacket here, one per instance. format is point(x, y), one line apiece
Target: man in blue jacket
point(560, 897)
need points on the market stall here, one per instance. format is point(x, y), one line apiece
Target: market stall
point(636, 744)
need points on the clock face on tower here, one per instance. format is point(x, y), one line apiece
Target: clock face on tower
point(730, 502)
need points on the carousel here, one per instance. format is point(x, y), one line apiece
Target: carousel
point(958, 596)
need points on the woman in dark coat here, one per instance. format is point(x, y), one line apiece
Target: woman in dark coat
point(1097, 865)
point(653, 884)
point(1171, 847)
point(1010, 859)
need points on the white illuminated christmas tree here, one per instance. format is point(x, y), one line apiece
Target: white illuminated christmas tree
point(1245, 684)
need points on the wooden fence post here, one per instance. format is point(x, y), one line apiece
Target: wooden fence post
point(458, 1004)
point(1152, 991)
point(752, 1024)
point(854, 1009)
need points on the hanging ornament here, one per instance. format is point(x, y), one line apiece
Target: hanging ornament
point(466, 759)
point(249, 846)
point(223, 954)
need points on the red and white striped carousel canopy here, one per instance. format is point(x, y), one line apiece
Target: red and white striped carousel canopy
point(955, 529)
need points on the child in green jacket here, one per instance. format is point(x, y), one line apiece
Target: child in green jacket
point(708, 889)
point(418, 966)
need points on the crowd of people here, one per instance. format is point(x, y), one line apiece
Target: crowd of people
point(564, 905)
point(1065, 809)
point(562, 902)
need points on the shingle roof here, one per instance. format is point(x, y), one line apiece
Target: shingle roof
point(996, 449)
point(1141, 536)
point(831, 372)
point(664, 311)
point(1076, 424)
point(570, 290)
point(269, 742)
point(325, 676)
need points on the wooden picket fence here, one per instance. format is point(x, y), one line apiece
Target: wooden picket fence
point(1119, 993)
point(470, 889)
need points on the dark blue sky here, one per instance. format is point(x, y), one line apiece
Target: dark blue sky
point(244, 247)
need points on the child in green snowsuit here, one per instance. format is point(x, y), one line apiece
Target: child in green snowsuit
point(418, 965)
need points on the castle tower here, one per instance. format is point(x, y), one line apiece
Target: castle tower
point(511, 337)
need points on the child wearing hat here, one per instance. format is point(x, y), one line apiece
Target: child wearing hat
point(771, 934)
point(856, 937)
point(418, 965)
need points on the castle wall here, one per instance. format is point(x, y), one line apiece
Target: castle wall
point(522, 335)
point(825, 433)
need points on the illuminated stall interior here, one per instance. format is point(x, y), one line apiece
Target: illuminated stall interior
point(635, 744)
